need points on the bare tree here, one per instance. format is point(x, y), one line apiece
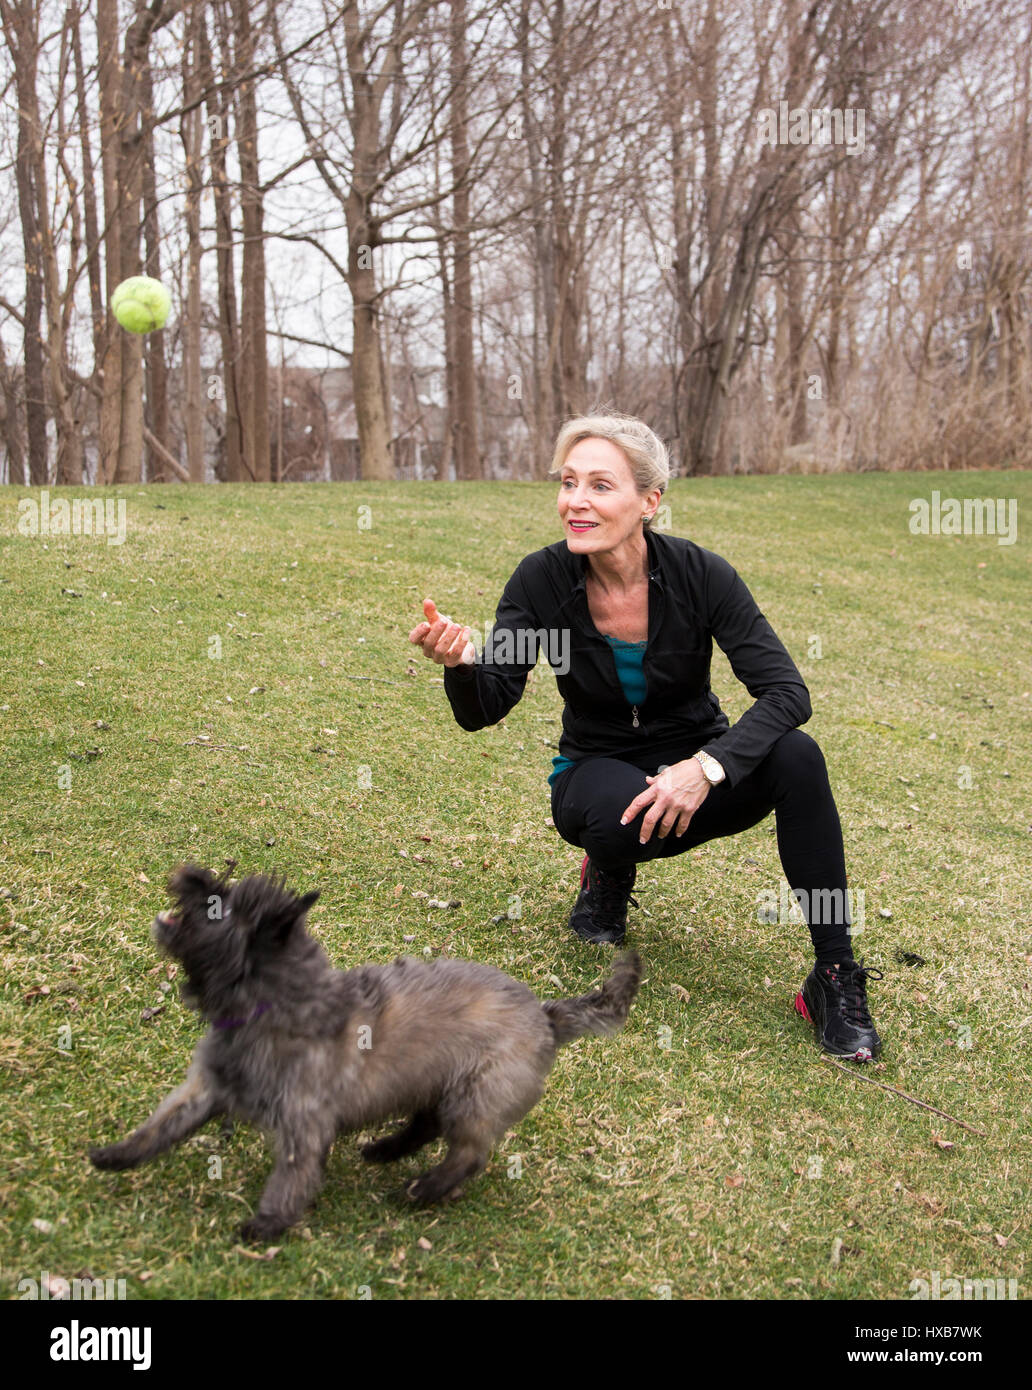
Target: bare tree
point(254, 363)
point(20, 20)
point(190, 132)
point(462, 419)
point(218, 109)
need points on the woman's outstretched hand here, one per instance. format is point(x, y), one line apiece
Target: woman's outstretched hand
point(443, 641)
point(675, 794)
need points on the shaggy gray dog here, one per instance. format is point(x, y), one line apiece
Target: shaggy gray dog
point(305, 1051)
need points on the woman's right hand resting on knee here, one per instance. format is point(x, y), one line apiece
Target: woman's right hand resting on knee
point(443, 641)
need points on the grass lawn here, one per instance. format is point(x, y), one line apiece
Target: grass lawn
point(234, 682)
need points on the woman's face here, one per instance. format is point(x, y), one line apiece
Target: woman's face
point(599, 504)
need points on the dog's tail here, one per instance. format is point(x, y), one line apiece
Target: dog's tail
point(604, 1011)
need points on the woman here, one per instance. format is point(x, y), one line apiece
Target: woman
point(648, 763)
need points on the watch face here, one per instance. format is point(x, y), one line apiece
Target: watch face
point(711, 768)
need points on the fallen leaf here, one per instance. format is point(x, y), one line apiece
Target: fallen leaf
point(424, 1244)
point(735, 1180)
point(941, 1143)
point(1001, 1241)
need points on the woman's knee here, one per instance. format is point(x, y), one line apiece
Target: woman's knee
point(799, 753)
point(588, 808)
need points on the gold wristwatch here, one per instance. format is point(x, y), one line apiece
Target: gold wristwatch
point(714, 773)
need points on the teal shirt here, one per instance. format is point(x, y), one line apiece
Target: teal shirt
point(629, 657)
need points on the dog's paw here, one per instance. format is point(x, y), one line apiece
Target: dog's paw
point(425, 1190)
point(110, 1159)
point(381, 1150)
point(261, 1228)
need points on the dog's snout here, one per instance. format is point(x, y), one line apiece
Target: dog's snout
point(162, 923)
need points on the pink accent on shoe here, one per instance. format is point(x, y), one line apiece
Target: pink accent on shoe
point(583, 870)
point(863, 1054)
point(800, 1007)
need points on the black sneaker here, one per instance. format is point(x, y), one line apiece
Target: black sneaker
point(600, 912)
point(834, 999)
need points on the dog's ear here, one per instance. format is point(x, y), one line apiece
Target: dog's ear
point(269, 908)
point(191, 881)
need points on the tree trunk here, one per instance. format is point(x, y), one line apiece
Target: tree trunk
point(68, 468)
point(375, 459)
point(190, 134)
point(218, 125)
point(366, 369)
point(559, 330)
point(681, 261)
point(131, 146)
point(542, 407)
point(12, 424)
point(795, 381)
point(155, 371)
point(20, 23)
point(448, 317)
point(108, 350)
point(254, 361)
point(712, 377)
point(129, 464)
point(90, 221)
point(468, 463)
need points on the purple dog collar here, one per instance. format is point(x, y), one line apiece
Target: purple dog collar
point(239, 1022)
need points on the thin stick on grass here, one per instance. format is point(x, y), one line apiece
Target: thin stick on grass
point(859, 1076)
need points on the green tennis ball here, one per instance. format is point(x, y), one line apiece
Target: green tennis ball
point(141, 304)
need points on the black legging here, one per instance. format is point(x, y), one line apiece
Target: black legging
point(589, 798)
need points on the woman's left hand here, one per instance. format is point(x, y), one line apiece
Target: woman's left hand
point(675, 794)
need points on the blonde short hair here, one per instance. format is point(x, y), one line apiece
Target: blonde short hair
point(645, 451)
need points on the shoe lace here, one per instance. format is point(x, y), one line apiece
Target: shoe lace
point(611, 892)
point(852, 979)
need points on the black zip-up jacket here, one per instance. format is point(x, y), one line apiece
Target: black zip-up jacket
point(695, 596)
